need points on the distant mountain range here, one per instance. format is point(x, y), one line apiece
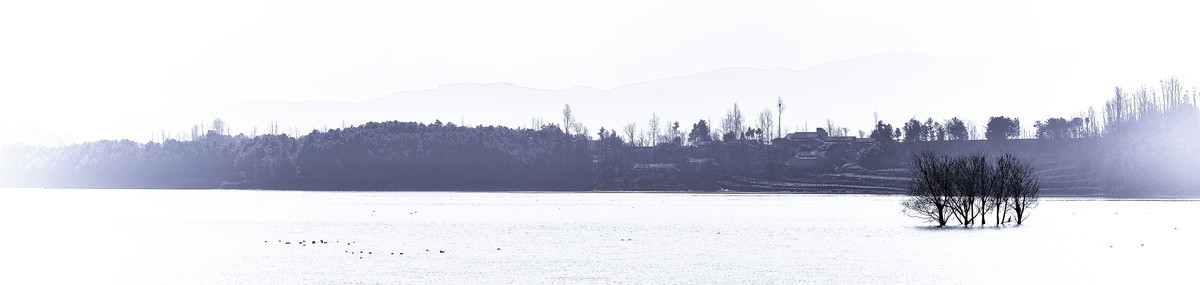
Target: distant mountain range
point(897, 85)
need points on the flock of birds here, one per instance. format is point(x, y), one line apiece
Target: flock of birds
point(360, 252)
point(363, 252)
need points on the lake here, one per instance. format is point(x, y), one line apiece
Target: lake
point(237, 236)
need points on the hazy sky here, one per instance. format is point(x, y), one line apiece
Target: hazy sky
point(72, 60)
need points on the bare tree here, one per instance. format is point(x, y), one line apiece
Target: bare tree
point(734, 122)
point(631, 132)
point(1115, 110)
point(972, 177)
point(929, 191)
point(739, 121)
point(568, 118)
point(1002, 191)
point(218, 126)
point(1172, 92)
point(830, 128)
point(972, 131)
point(655, 129)
point(1093, 124)
point(1023, 186)
point(765, 123)
point(779, 120)
point(985, 195)
point(580, 130)
point(536, 123)
point(713, 131)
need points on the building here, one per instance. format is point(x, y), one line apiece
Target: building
point(819, 135)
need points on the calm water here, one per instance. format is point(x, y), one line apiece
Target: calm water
point(224, 236)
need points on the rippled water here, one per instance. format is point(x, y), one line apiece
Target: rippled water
point(228, 236)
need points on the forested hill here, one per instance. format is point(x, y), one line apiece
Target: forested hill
point(1142, 146)
point(389, 155)
point(415, 156)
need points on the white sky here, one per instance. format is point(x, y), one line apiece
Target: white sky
point(72, 60)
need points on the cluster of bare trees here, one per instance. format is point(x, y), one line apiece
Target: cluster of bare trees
point(969, 188)
point(1131, 112)
point(218, 127)
point(834, 130)
point(733, 126)
point(1149, 137)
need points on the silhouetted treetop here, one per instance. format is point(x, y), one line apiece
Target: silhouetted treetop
point(1002, 128)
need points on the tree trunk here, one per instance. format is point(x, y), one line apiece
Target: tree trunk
point(999, 218)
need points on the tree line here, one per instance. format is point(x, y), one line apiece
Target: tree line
point(1150, 139)
point(1142, 132)
point(376, 155)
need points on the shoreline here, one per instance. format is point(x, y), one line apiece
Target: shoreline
point(619, 191)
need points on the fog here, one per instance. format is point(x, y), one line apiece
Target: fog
point(82, 71)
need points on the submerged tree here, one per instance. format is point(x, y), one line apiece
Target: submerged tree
point(1020, 186)
point(929, 192)
point(968, 188)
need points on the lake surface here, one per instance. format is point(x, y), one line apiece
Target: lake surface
point(231, 236)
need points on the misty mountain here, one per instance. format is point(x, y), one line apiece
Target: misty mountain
point(897, 85)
